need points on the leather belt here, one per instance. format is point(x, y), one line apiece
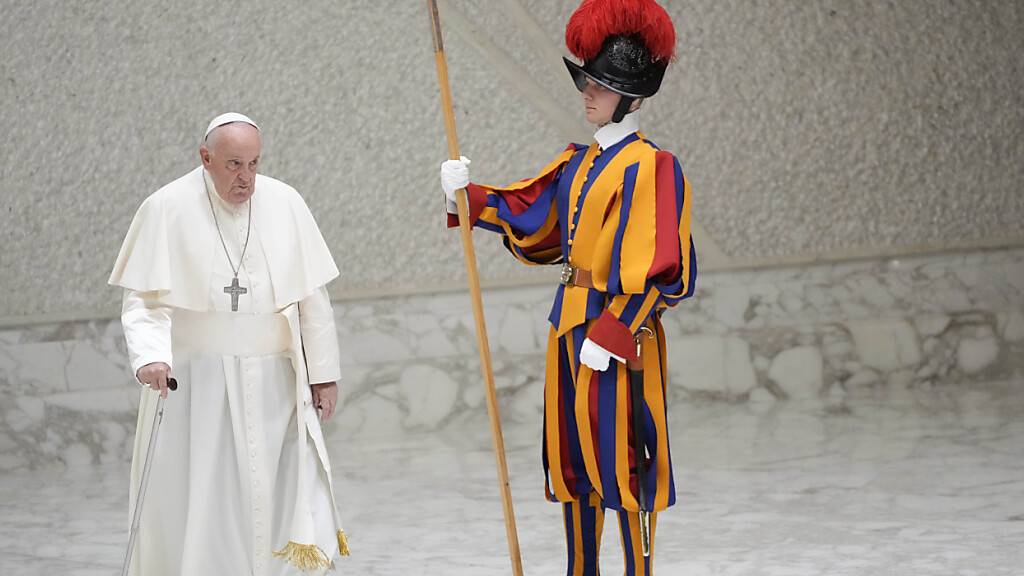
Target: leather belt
point(573, 276)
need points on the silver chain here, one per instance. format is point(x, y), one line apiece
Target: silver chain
point(248, 229)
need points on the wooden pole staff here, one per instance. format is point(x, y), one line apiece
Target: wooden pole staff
point(466, 230)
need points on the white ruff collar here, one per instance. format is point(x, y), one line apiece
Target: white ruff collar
point(613, 132)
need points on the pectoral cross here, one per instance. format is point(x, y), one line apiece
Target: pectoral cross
point(235, 290)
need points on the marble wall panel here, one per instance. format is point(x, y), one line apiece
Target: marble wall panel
point(812, 334)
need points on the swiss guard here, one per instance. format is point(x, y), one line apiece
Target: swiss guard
point(615, 214)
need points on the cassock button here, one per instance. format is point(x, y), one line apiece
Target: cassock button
point(254, 468)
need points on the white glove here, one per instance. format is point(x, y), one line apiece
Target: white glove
point(454, 176)
point(595, 357)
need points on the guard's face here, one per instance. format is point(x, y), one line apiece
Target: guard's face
point(232, 155)
point(599, 103)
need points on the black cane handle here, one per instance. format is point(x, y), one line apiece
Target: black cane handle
point(172, 384)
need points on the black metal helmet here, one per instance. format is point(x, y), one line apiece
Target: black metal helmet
point(625, 46)
point(623, 65)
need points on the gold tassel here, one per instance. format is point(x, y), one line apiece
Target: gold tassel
point(342, 543)
point(304, 556)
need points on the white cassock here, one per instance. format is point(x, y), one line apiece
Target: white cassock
point(240, 480)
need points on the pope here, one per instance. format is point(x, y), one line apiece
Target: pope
point(224, 275)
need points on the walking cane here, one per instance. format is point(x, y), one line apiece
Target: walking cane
point(157, 418)
point(462, 201)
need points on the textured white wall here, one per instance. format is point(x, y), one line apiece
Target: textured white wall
point(809, 129)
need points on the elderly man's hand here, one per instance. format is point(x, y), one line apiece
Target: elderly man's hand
point(155, 375)
point(325, 399)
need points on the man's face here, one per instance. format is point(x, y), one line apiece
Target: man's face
point(599, 103)
point(231, 154)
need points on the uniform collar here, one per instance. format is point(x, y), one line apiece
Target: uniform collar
point(612, 133)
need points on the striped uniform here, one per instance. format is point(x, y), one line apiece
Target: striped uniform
point(584, 524)
point(623, 214)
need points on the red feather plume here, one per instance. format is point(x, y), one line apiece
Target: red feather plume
point(595, 20)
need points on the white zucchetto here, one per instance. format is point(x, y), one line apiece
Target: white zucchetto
point(228, 119)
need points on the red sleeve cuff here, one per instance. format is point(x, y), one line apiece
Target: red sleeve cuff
point(614, 336)
point(477, 203)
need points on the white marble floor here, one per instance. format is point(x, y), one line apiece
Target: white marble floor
point(908, 483)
